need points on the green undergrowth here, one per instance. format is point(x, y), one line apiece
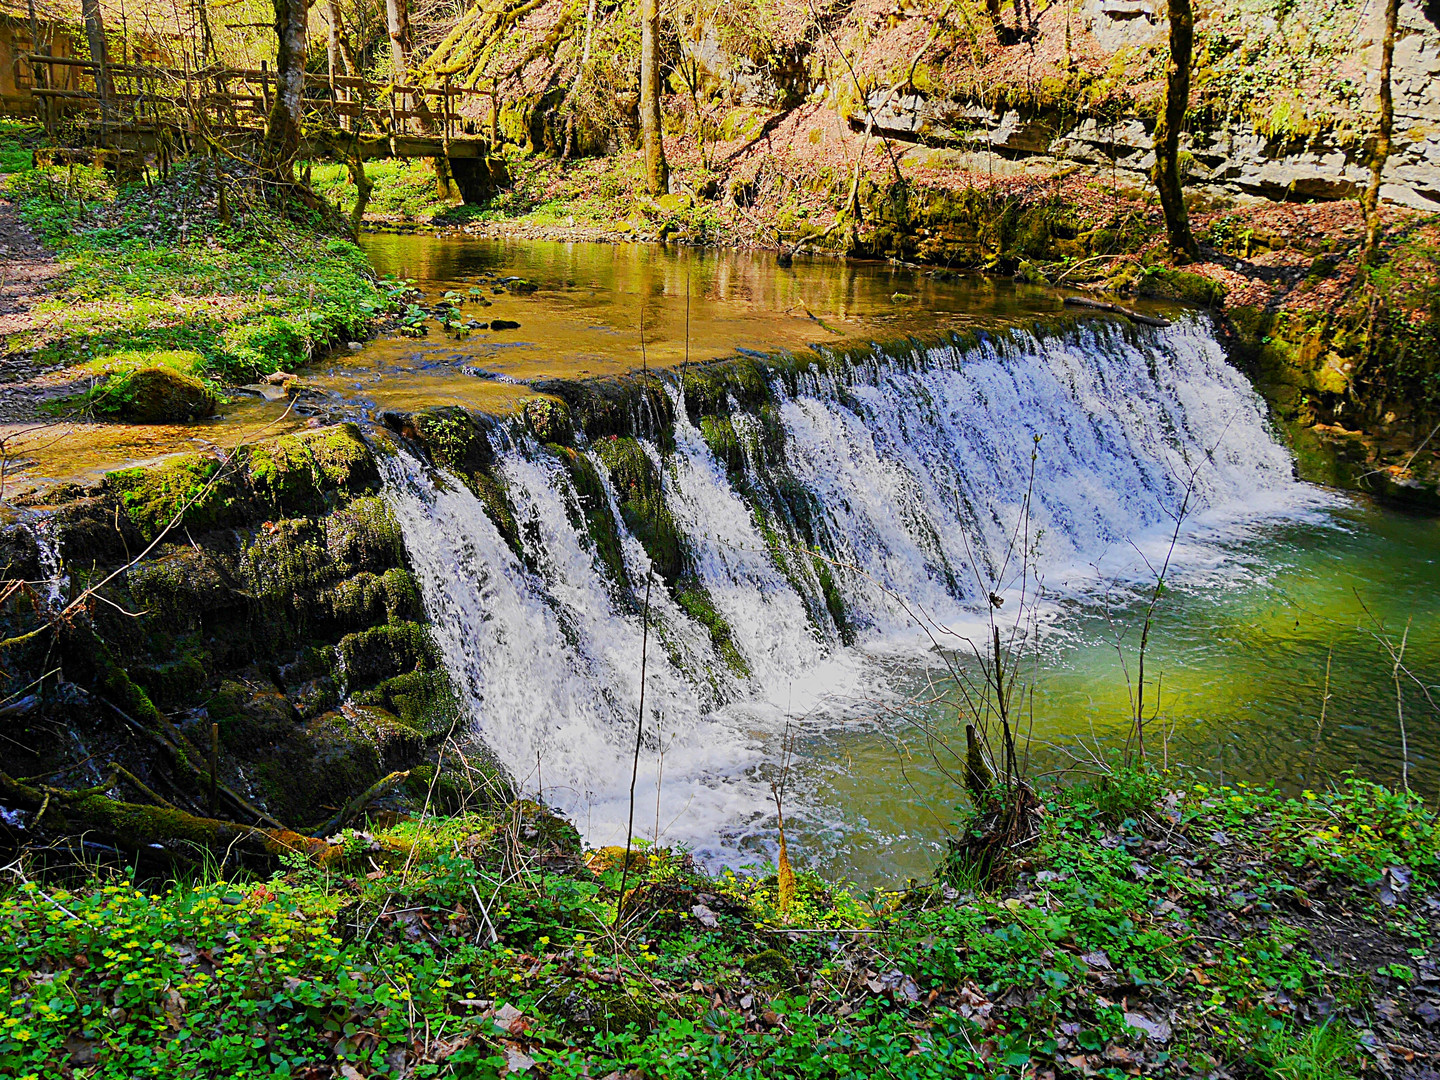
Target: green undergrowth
point(404, 189)
point(1148, 930)
point(16, 138)
point(154, 269)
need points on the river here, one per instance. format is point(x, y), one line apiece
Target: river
point(915, 458)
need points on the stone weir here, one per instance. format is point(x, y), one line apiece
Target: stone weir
point(267, 634)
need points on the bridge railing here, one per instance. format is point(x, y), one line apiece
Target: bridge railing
point(102, 106)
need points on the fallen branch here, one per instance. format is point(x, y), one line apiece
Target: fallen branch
point(1115, 309)
point(364, 799)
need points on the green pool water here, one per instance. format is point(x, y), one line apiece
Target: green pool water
point(1239, 656)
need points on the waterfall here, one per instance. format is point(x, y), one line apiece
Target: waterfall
point(865, 488)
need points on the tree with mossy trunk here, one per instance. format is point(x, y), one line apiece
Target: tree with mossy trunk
point(282, 126)
point(657, 170)
point(1384, 129)
point(1167, 131)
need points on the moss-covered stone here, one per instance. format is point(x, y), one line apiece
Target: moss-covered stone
point(367, 599)
point(636, 483)
point(598, 523)
point(543, 831)
point(251, 713)
point(364, 535)
point(696, 602)
point(453, 437)
point(176, 681)
point(156, 395)
point(479, 785)
point(192, 491)
point(182, 584)
point(549, 419)
point(296, 473)
point(1171, 284)
point(772, 967)
point(422, 700)
point(368, 657)
point(287, 563)
point(605, 1009)
point(330, 759)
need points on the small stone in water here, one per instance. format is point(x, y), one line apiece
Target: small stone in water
point(354, 346)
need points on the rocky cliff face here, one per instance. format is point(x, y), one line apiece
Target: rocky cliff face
point(1296, 150)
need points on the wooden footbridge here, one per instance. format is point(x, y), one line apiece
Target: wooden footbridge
point(122, 113)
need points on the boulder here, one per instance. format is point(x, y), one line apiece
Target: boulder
point(160, 395)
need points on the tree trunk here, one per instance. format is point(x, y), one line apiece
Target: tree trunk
point(282, 127)
point(1167, 131)
point(1371, 201)
point(397, 21)
point(95, 35)
point(657, 171)
point(337, 35)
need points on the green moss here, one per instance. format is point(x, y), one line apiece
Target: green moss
point(296, 473)
point(549, 419)
point(696, 602)
point(595, 507)
point(181, 585)
point(250, 716)
point(709, 387)
point(174, 683)
point(364, 535)
point(190, 490)
point(454, 439)
point(367, 599)
point(287, 562)
point(370, 656)
point(636, 483)
point(422, 700)
point(1172, 284)
point(148, 387)
point(770, 966)
point(490, 490)
point(606, 1009)
point(479, 785)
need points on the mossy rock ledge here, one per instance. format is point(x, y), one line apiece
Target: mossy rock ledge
point(276, 614)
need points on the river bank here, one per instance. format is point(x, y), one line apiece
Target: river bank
point(1146, 930)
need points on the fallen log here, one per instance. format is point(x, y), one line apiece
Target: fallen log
point(135, 827)
point(1115, 309)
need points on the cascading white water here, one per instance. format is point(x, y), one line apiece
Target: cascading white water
point(919, 467)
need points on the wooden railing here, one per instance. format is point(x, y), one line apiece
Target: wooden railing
point(219, 101)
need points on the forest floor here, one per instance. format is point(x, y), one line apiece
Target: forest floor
point(1221, 932)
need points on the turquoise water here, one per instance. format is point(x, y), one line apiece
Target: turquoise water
point(1238, 656)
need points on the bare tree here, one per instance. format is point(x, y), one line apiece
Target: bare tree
point(657, 170)
point(1167, 131)
point(1371, 200)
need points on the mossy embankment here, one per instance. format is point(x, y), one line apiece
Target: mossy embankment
point(172, 289)
point(1145, 930)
